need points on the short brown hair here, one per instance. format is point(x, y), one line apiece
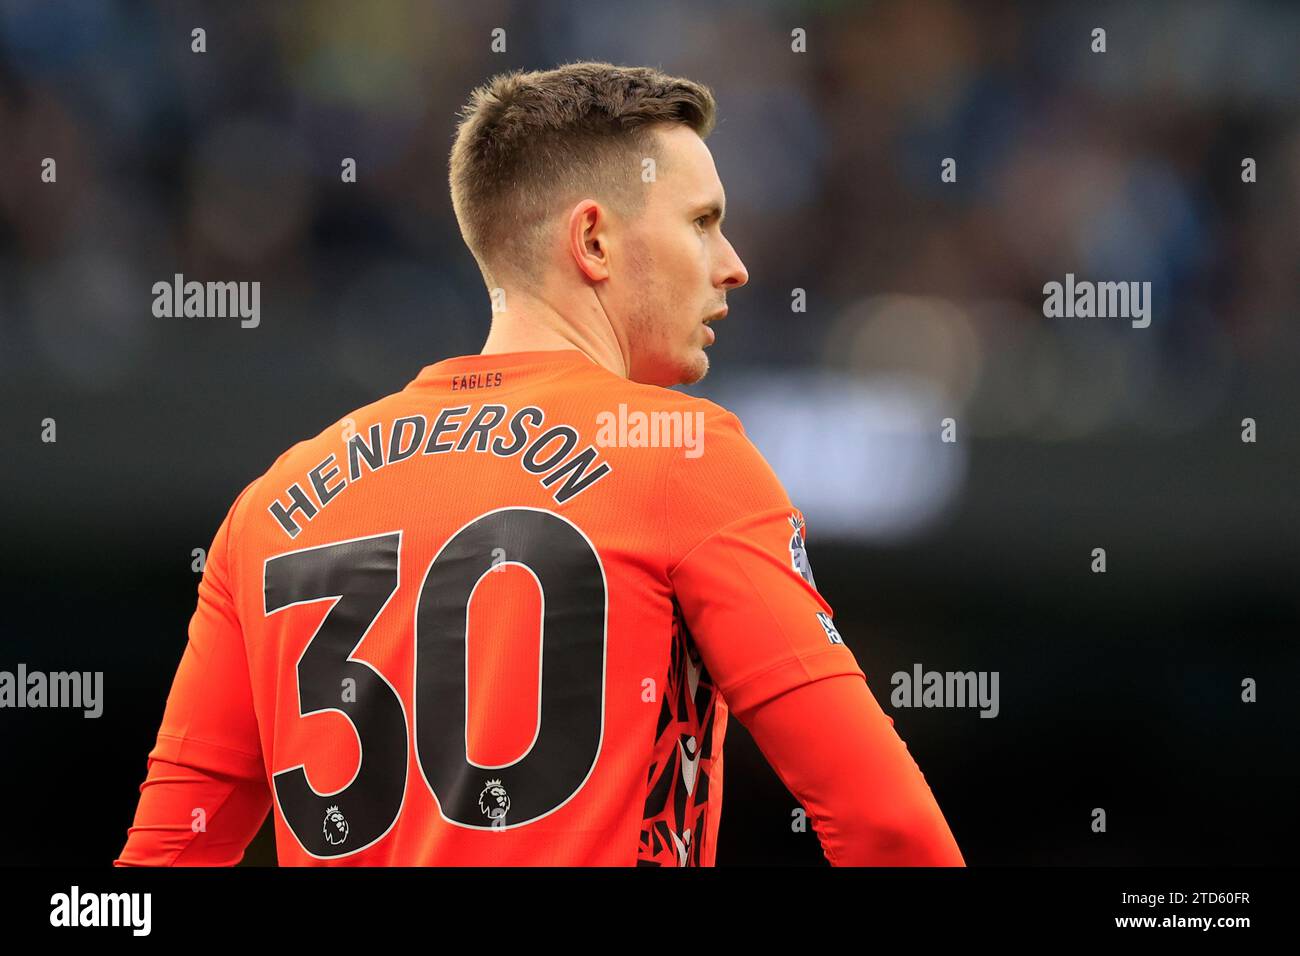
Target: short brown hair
point(529, 141)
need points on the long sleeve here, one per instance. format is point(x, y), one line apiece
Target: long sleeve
point(767, 636)
point(206, 792)
point(190, 817)
point(840, 756)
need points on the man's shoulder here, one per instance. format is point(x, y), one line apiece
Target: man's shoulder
point(313, 453)
point(334, 436)
point(658, 398)
point(669, 421)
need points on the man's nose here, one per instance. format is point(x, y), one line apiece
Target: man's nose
point(736, 274)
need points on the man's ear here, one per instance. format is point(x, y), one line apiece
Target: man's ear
point(589, 239)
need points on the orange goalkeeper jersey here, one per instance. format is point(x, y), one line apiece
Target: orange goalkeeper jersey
point(497, 618)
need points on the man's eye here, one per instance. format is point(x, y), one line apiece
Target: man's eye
point(701, 220)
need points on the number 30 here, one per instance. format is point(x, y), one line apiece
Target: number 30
point(363, 575)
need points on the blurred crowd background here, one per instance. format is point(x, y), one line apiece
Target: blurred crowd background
point(924, 302)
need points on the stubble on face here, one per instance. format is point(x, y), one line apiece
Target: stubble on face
point(658, 354)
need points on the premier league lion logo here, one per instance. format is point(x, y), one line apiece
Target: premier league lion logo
point(494, 801)
point(336, 826)
point(799, 553)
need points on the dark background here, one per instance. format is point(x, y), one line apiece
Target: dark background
point(1118, 690)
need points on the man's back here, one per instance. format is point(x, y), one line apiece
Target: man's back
point(487, 620)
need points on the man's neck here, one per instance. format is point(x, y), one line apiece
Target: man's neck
point(535, 327)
